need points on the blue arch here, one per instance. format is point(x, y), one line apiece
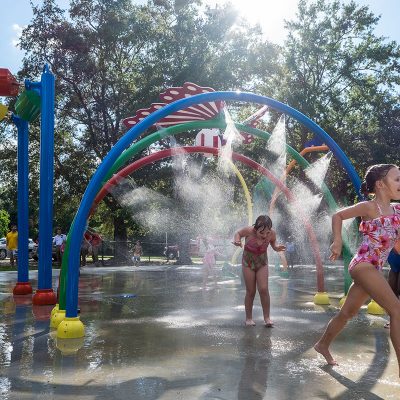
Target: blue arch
point(78, 227)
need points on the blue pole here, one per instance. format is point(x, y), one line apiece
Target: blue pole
point(47, 97)
point(22, 198)
point(81, 216)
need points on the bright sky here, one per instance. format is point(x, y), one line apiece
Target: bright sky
point(270, 14)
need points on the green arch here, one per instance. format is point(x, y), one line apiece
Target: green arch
point(220, 123)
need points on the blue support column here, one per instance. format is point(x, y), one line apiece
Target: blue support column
point(45, 295)
point(23, 285)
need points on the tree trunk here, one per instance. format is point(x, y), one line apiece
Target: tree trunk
point(184, 247)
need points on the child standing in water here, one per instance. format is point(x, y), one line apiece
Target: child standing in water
point(380, 227)
point(255, 264)
point(209, 261)
point(137, 253)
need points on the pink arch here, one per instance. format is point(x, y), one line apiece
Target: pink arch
point(238, 157)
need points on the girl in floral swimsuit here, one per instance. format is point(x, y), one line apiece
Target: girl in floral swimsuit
point(379, 236)
point(380, 227)
point(255, 264)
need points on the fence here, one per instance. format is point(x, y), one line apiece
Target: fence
point(123, 250)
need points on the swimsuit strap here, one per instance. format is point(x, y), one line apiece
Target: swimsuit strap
point(379, 208)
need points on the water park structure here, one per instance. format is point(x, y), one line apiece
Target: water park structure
point(203, 108)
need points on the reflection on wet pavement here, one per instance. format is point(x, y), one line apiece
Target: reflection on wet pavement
point(156, 333)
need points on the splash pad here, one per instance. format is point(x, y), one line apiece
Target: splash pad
point(69, 286)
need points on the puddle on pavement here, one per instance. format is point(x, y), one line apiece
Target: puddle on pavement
point(157, 333)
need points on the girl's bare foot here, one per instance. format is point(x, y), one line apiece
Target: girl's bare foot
point(250, 322)
point(325, 352)
point(268, 323)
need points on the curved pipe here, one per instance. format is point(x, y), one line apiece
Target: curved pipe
point(108, 186)
point(248, 200)
point(216, 123)
point(247, 161)
point(245, 190)
point(78, 228)
point(289, 167)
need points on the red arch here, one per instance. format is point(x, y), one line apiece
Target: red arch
point(238, 157)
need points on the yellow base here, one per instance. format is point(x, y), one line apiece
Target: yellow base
point(57, 318)
point(3, 111)
point(69, 346)
point(375, 309)
point(71, 328)
point(321, 298)
point(9, 307)
point(54, 310)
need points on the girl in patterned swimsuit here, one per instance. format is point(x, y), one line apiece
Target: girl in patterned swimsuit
point(380, 227)
point(255, 264)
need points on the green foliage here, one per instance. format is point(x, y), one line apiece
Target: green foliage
point(341, 75)
point(112, 57)
point(4, 222)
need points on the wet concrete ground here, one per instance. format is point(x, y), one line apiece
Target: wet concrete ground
point(155, 333)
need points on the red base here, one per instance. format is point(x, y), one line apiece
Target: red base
point(42, 312)
point(23, 300)
point(44, 297)
point(22, 288)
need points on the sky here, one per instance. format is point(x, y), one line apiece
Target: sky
point(270, 14)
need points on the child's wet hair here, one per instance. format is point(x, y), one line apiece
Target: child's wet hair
point(263, 221)
point(375, 173)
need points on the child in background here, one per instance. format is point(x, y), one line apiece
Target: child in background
point(137, 253)
point(380, 227)
point(290, 252)
point(12, 244)
point(95, 244)
point(85, 247)
point(58, 242)
point(209, 261)
point(255, 264)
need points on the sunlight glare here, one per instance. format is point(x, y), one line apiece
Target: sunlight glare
point(269, 14)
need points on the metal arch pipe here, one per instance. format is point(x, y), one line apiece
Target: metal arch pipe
point(236, 156)
point(94, 185)
point(125, 171)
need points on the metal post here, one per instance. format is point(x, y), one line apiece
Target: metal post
point(44, 294)
point(23, 285)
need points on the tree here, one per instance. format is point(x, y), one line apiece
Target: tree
point(344, 77)
point(4, 222)
point(111, 58)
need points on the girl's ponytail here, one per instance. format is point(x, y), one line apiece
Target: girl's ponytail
point(364, 189)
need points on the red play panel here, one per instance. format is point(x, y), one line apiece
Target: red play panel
point(8, 84)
